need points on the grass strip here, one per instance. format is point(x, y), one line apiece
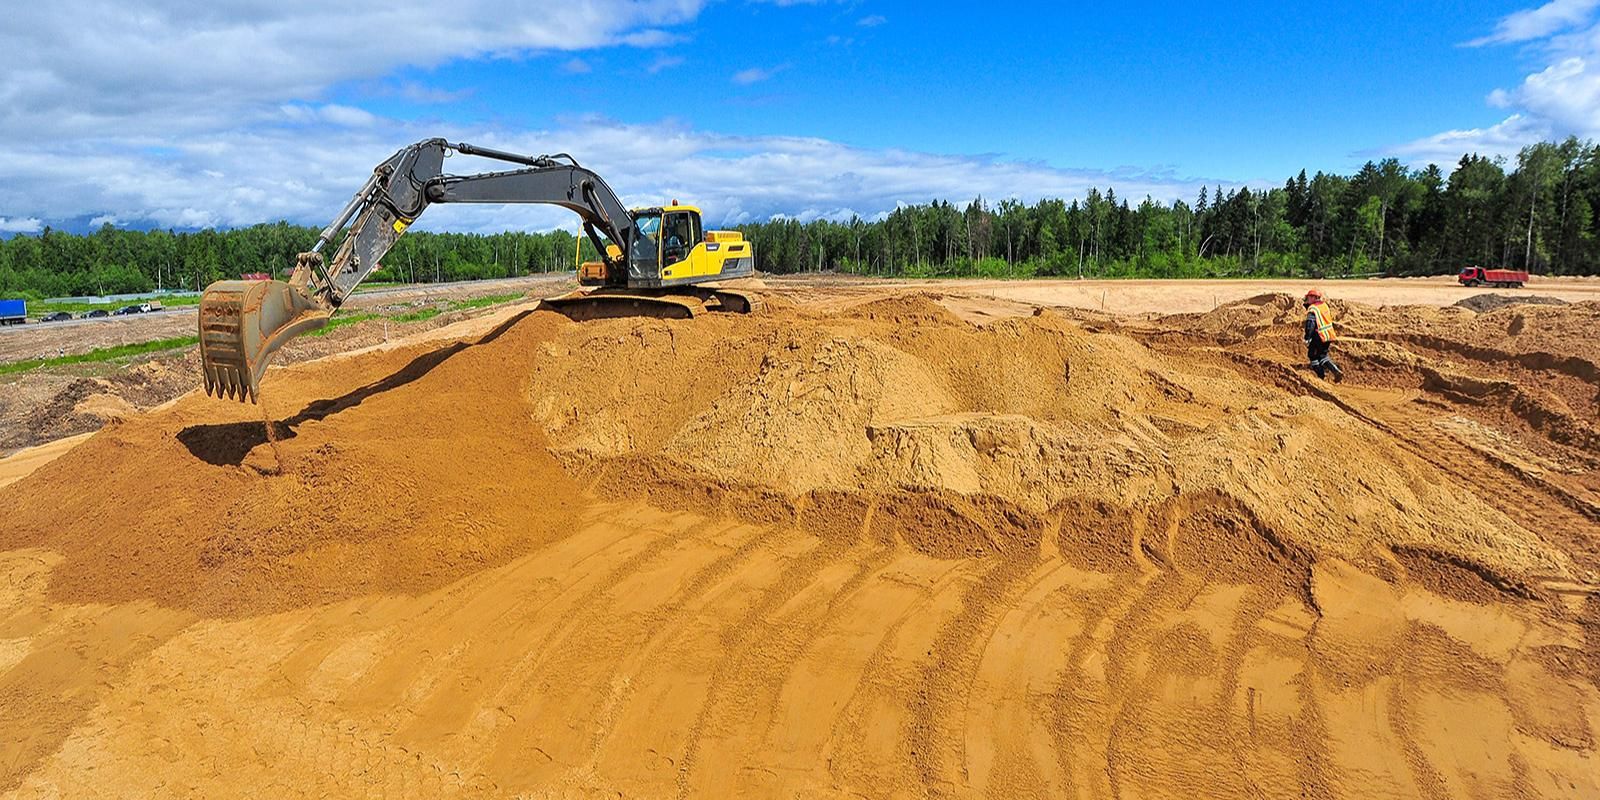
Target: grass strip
point(342, 320)
point(455, 305)
point(158, 345)
point(101, 354)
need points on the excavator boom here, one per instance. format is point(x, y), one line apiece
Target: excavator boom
point(242, 323)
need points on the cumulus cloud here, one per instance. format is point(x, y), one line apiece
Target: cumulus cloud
point(21, 225)
point(187, 114)
point(161, 67)
point(745, 77)
point(1560, 100)
point(1537, 23)
point(1502, 139)
point(236, 178)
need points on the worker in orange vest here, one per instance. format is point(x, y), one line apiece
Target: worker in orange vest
point(1319, 336)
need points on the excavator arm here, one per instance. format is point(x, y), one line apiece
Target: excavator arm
point(242, 323)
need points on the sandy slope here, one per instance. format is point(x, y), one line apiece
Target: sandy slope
point(868, 549)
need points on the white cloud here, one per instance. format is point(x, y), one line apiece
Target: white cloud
point(239, 178)
point(188, 114)
point(166, 67)
point(347, 116)
point(428, 95)
point(332, 113)
point(21, 225)
point(1560, 100)
point(745, 77)
point(1566, 93)
point(1538, 23)
point(872, 21)
point(1502, 139)
point(576, 66)
point(664, 62)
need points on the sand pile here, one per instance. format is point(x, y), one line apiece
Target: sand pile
point(201, 512)
point(1493, 301)
point(900, 396)
point(875, 551)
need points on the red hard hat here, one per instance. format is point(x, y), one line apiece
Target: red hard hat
point(1314, 296)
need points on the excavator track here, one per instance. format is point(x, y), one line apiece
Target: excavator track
point(678, 303)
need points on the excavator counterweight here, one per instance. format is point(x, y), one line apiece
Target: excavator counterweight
point(656, 261)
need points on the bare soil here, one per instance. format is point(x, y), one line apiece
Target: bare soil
point(881, 540)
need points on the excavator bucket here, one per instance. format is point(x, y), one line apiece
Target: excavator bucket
point(242, 323)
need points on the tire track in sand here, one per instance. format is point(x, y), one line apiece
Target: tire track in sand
point(882, 676)
point(935, 751)
point(739, 641)
point(668, 624)
point(1006, 719)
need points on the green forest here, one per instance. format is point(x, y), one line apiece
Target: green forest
point(117, 261)
point(1537, 212)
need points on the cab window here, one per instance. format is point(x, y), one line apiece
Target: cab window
point(682, 231)
point(646, 227)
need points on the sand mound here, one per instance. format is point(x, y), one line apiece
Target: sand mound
point(204, 513)
point(871, 552)
point(1494, 302)
point(900, 398)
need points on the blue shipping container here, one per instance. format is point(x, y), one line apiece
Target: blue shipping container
point(13, 312)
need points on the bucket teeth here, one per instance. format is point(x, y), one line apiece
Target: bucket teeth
point(242, 323)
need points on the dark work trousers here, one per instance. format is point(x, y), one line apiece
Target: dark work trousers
point(1317, 354)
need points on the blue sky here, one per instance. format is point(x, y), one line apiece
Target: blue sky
point(181, 113)
point(1233, 92)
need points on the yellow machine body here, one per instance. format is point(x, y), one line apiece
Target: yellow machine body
point(685, 252)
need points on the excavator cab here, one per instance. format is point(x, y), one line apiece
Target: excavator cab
point(681, 232)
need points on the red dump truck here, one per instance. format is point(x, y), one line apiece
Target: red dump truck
point(1478, 276)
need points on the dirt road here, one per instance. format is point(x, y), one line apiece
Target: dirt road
point(874, 542)
point(1189, 296)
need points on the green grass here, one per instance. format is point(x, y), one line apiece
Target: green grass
point(342, 320)
point(101, 354)
point(419, 315)
point(129, 350)
point(455, 305)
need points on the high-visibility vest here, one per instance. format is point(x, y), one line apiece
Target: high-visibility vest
point(1319, 312)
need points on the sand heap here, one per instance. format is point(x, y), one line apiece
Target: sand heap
point(899, 396)
point(870, 552)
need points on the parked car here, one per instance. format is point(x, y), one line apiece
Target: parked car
point(136, 308)
point(96, 314)
point(59, 316)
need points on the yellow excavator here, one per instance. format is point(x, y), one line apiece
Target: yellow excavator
point(654, 261)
